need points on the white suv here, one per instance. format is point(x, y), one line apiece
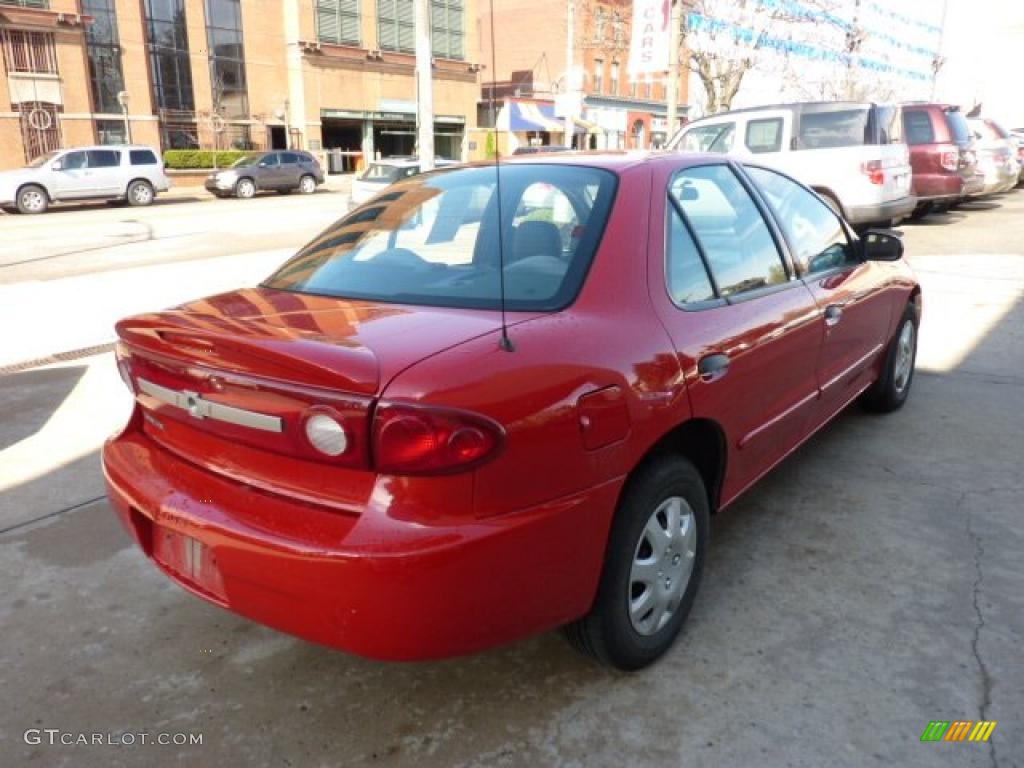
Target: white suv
point(121, 172)
point(852, 154)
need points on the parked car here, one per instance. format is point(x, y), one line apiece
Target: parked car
point(852, 154)
point(997, 156)
point(382, 173)
point(941, 154)
point(131, 173)
point(536, 149)
point(283, 171)
point(444, 427)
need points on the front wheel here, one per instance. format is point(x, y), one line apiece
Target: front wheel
point(890, 391)
point(307, 185)
point(245, 188)
point(140, 193)
point(32, 199)
point(652, 569)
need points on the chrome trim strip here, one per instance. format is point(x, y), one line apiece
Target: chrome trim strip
point(199, 408)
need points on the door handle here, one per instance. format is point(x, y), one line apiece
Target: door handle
point(712, 367)
point(833, 314)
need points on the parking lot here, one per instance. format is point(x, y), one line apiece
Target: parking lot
point(871, 584)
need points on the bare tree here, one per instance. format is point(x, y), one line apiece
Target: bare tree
point(730, 36)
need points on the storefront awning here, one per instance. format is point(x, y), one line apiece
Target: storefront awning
point(582, 126)
point(529, 116)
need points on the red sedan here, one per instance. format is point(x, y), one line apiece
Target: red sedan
point(490, 403)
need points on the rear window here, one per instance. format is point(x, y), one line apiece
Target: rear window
point(142, 157)
point(380, 172)
point(919, 128)
point(840, 128)
point(434, 241)
point(958, 126)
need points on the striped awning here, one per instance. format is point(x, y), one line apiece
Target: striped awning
point(585, 127)
point(531, 116)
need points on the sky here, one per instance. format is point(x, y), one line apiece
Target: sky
point(983, 41)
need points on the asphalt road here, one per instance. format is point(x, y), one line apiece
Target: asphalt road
point(872, 583)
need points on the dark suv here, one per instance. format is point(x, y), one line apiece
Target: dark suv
point(279, 170)
point(941, 154)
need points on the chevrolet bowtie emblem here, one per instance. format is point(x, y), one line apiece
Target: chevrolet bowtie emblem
point(193, 404)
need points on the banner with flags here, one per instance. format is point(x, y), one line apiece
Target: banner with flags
point(648, 51)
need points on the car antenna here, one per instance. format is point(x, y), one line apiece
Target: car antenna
point(505, 343)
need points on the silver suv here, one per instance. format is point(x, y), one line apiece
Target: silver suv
point(123, 172)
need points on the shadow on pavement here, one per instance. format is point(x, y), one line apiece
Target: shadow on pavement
point(29, 400)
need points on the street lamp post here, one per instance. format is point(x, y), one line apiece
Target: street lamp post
point(123, 99)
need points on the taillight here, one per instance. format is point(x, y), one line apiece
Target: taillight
point(950, 161)
point(1020, 154)
point(124, 368)
point(417, 440)
point(873, 170)
point(968, 158)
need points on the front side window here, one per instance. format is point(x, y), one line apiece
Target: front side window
point(764, 135)
point(270, 161)
point(434, 240)
point(74, 161)
point(715, 138)
point(733, 235)
point(816, 236)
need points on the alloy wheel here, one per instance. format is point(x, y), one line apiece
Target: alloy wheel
point(245, 188)
point(33, 200)
point(662, 565)
point(307, 185)
point(904, 356)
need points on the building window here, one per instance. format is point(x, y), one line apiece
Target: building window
point(337, 21)
point(111, 132)
point(647, 89)
point(27, 3)
point(598, 75)
point(227, 58)
point(396, 27)
point(40, 128)
point(167, 42)
point(29, 51)
point(104, 49)
point(447, 29)
point(614, 83)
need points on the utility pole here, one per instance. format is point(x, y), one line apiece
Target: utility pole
point(424, 87)
point(672, 86)
point(570, 75)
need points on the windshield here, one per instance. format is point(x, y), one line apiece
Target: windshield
point(386, 173)
point(246, 161)
point(43, 160)
point(431, 240)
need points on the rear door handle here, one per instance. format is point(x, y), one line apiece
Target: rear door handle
point(713, 367)
point(833, 314)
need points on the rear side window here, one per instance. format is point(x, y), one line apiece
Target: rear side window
point(815, 234)
point(289, 158)
point(688, 281)
point(716, 138)
point(888, 125)
point(435, 240)
point(104, 158)
point(764, 135)
point(142, 157)
point(380, 172)
point(305, 158)
point(841, 128)
point(919, 128)
point(958, 126)
point(732, 233)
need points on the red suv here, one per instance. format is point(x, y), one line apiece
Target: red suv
point(941, 154)
point(488, 403)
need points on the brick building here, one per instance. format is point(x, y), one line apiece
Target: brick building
point(314, 74)
point(530, 63)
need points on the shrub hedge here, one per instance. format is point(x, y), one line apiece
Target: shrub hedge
point(200, 158)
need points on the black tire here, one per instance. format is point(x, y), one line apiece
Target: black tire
point(140, 193)
point(608, 632)
point(892, 388)
point(922, 210)
point(9, 209)
point(32, 199)
point(245, 188)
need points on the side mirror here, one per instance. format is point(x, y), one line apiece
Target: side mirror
point(882, 245)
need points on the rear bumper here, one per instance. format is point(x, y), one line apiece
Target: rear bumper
point(372, 584)
point(892, 209)
point(930, 188)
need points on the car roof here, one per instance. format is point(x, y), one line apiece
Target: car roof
point(107, 146)
point(613, 160)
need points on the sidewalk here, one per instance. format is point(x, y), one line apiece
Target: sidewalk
point(340, 183)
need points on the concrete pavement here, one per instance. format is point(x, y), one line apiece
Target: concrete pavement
point(869, 585)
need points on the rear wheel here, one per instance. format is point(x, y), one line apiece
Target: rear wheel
point(890, 391)
point(32, 199)
point(140, 193)
point(245, 188)
point(307, 185)
point(652, 568)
